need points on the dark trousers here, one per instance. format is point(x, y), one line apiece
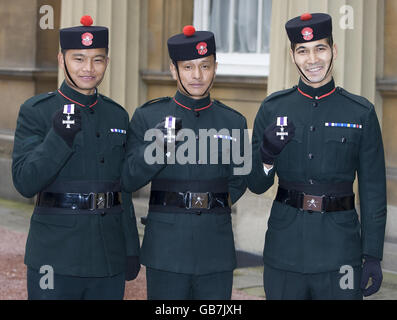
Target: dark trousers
point(163, 285)
point(285, 285)
point(74, 288)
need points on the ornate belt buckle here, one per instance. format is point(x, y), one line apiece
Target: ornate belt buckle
point(93, 200)
point(312, 203)
point(101, 200)
point(98, 201)
point(198, 200)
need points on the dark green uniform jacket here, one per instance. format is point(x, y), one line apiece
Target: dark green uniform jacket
point(87, 245)
point(186, 242)
point(337, 136)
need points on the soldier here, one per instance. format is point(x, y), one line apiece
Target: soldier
point(316, 137)
point(188, 246)
point(69, 149)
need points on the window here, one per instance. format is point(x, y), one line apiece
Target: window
point(242, 30)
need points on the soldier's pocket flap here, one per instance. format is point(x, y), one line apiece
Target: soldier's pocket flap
point(117, 139)
point(342, 135)
point(61, 220)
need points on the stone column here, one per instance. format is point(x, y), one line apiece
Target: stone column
point(27, 67)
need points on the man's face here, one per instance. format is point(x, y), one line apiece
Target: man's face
point(86, 67)
point(314, 59)
point(196, 75)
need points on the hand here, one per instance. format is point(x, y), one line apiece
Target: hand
point(371, 269)
point(272, 144)
point(132, 268)
point(67, 132)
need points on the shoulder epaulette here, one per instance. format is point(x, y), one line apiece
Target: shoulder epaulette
point(40, 97)
point(221, 104)
point(280, 93)
point(155, 100)
point(359, 99)
point(110, 100)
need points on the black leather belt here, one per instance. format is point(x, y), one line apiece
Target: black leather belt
point(83, 201)
point(307, 202)
point(190, 200)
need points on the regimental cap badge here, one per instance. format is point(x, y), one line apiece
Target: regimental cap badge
point(87, 39)
point(202, 48)
point(307, 33)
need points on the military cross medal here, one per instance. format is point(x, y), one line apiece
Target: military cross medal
point(282, 122)
point(68, 109)
point(170, 126)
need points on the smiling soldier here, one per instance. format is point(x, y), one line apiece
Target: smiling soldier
point(188, 246)
point(316, 137)
point(69, 148)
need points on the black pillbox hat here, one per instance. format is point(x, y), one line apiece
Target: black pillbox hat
point(309, 27)
point(85, 36)
point(191, 44)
